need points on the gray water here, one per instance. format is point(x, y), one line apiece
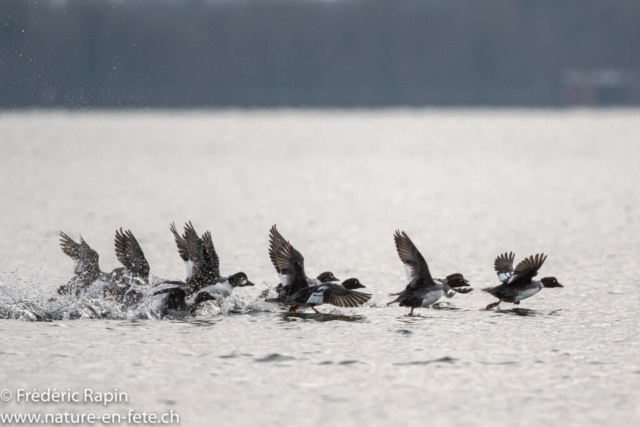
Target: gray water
point(465, 185)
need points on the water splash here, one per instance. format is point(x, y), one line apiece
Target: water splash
point(24, 300)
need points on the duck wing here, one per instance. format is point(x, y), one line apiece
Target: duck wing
point(527, 269)
point(210, 252)
point(276, 241)
point(415, 264)
point(329, 293)
point(181, 243)
point(202, 269)
point(290, 262)
point(130, 254)
point(503, 265)
point(69, 246)
point(340, 296)
point(86, 260)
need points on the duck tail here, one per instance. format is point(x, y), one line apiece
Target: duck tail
point(399, 299)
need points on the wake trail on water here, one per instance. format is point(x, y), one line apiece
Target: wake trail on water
point(24, 300)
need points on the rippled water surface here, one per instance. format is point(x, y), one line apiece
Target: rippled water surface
point(465, 185)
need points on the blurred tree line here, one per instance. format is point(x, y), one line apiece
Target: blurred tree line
point(259, 53)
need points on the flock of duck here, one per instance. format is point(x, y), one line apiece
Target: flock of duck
point(130, 284)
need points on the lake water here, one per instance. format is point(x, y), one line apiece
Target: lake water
point(465, 185)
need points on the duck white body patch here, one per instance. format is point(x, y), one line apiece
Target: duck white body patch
point(317, 297)
point(189, 265)
point(408, 271)
point(223, 289)
point(283, 279)
point(432, 297)
point(527, 293)
point(504, 276)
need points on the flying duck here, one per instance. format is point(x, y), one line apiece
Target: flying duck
point(423, 290)
point(518, 284)
point(86, 267)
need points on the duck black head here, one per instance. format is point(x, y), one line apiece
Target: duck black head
point(239, 279)
point(456, 280)
point(327, 277)
point(551, 282)
point(352, 284)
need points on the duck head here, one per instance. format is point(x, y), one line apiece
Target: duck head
point(456, 280)
point(239, 280)
point(327, 277)
point(551, 282)
point(352, 284)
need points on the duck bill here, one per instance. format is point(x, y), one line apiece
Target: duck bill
point(247, 283)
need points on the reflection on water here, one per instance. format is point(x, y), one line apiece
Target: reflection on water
point(324, 317)
point(526, 312)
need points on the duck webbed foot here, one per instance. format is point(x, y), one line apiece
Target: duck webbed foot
point(495, 304)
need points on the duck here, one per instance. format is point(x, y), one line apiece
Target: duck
point(340, 295)
point(86, 267)
point(125, 284)
point(284, 289)
point(423, 290)
point(133, 278)
point(518, 284)
point(204, 281)
point(179, 300)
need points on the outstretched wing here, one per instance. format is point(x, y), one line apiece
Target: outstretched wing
point(326, 293)
point(202, 272)
point(210, 252)
point(290, 263)
point(181, 243)
point(531, 265)
point(503, 265)
point(413, 260)
point(342, 297)
point(86, 260)
point(130, 254)
point(285, 257)
point(276, 241)
point(527, 269)
point(69, 246)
